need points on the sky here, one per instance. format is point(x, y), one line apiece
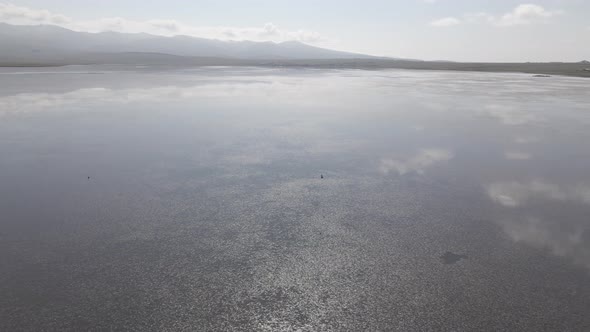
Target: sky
point(458, 30)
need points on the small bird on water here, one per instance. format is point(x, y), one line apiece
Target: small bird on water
point(321, 176)
point(88, 178)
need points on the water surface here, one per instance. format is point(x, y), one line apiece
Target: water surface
point(192, 199)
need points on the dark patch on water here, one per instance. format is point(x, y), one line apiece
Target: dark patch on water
point(452, 258)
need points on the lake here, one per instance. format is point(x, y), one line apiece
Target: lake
point(217, 199)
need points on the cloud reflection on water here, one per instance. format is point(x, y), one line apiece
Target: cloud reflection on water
point(511, 115)
point(321, 136)
point(42, 102)
point(513, 194)
point(417, 163)
point(555, 226)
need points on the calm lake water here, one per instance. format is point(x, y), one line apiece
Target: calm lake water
point(193, 199)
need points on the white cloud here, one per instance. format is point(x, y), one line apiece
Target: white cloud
point(13, 14)
point(520, 15)
point(525, 14)
point(417, 163)
point(445, 22)
point(479, 18)
point(10, 13)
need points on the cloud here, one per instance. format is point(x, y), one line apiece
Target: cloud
point(479, 18)
point(417, 163)
point(18, 15)
point(169, 25)
point(445, 22)
point(525, 14)
point(22, 15)
point(520, 15)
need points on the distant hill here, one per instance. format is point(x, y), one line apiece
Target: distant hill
point(47, 45)
point(52, 43)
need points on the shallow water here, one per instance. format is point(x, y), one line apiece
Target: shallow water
point(192, 199)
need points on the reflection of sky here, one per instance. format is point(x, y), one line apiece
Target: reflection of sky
point(508, 133)
point(405, 121)
point(417, 163)
point(563, 232)
point(214, 175)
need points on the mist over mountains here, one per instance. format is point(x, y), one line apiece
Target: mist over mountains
point(48, 43)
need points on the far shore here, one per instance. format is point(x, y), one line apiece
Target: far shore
point(577, 69)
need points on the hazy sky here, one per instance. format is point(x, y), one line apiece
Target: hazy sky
point(463, 30)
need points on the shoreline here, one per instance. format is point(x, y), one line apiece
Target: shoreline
point(558, 69)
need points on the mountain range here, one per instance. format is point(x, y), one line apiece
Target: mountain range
point(48, 43)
